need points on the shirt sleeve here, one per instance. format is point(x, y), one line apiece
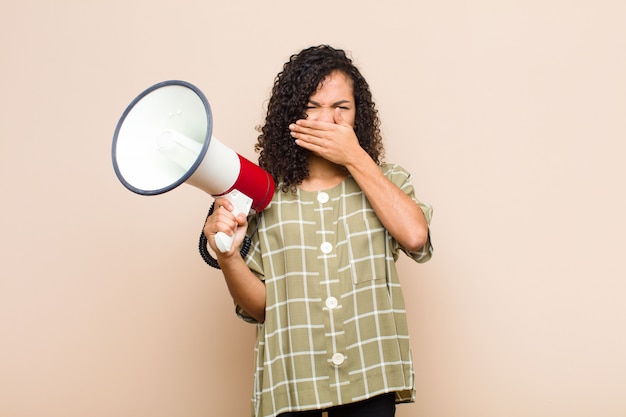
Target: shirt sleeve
point(404, 180)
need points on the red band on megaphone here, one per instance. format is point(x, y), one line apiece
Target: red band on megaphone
point(254, 182)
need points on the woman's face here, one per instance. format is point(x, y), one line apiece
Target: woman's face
point(335, 91)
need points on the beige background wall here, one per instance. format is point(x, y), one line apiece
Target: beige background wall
point(511, 114)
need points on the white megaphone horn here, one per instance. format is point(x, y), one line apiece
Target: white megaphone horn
point(164, 139)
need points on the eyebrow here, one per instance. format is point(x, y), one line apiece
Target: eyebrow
point(337, 103)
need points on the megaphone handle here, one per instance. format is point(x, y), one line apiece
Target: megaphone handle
point(242, 204)
point(204, 251)
point(223, 241)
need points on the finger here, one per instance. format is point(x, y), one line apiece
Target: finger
point(222, 202)
point(241, 219)
point(214, 226)
point(304, 140)
point(338, 117)
point(225, 226)
point(313, 135)
point(307, 145)
point(306, 125)
point(299, 130)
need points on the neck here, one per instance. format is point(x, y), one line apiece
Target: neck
point(323, 174)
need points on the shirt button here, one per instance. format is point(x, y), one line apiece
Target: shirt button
point(326, 247)
point(322, 197)
point(331, 302)
point(338, 359)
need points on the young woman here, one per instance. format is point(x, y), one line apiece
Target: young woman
point(320, 280)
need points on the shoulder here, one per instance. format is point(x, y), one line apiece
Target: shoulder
point(393, 169)
point(395, 173)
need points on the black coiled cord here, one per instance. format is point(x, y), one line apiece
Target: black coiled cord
point(204, 252)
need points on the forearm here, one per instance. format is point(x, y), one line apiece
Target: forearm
point(246, 289)
point(400, 215)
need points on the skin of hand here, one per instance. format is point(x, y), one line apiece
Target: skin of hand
point(223, 220)
point(335, 142)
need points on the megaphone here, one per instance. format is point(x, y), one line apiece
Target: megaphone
point(164, 138)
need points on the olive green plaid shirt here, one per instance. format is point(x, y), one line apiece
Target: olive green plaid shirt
point(335, 328)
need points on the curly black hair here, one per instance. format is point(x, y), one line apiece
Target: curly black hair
point(299, 79)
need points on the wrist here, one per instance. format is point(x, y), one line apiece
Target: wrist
point(228, 259)
point(360, 161)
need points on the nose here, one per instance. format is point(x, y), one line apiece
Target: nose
point(325, 114)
